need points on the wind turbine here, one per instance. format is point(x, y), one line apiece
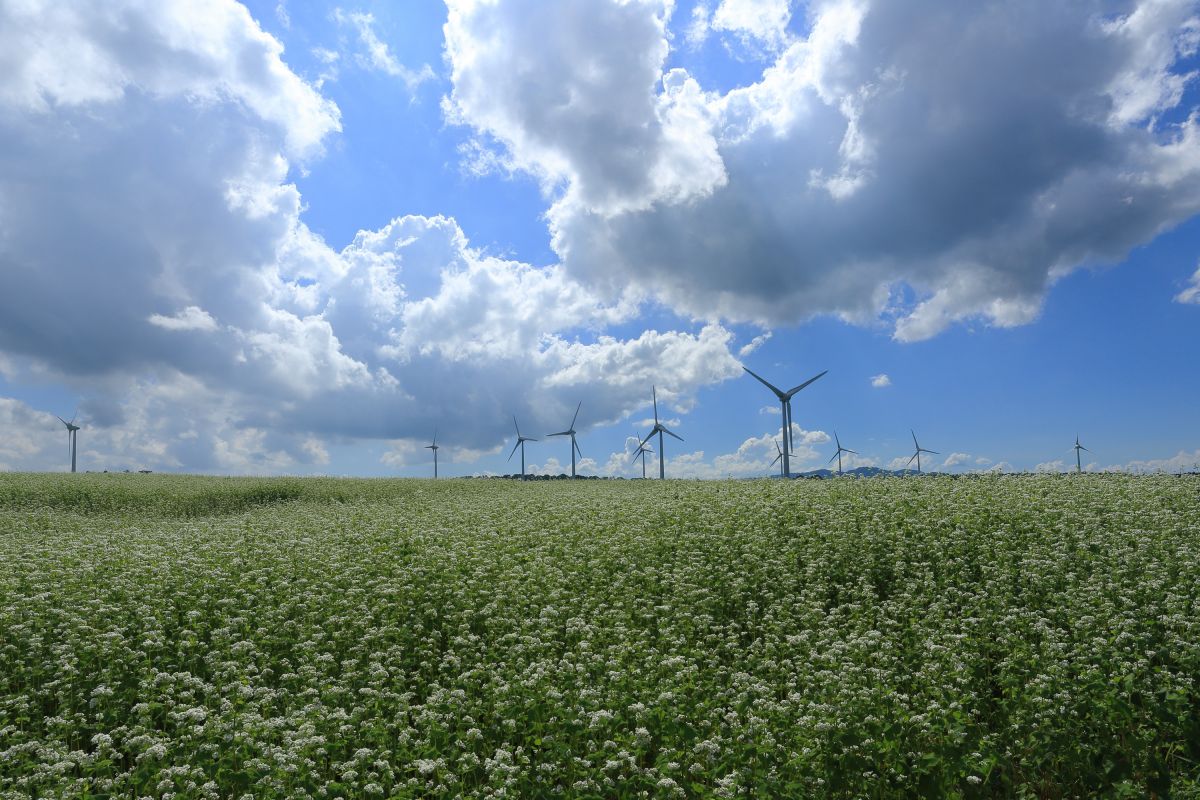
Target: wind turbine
point(641, 453)
point(785, 401)
point(71, 436)
point(660, 429)
point(521, 440)
point(1078, 447)
point(917, 454)
point(570, 431)
point(434, 448)
point(840, 450)
point(778, 458)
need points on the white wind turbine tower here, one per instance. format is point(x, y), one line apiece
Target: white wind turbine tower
point(641, 453)
point(919, 450)
point(71, 436)
point(840, 450)
point(570, 431)
point(660, 429)
point(1078, 461)
point(434, 448)
point(785, 401)
point(521, 440)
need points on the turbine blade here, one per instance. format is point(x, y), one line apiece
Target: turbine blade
point(914, 435)
point(832, 457)
point(778, 458)
point(668, 433)
point(515, 425)
point(575, 444)
point(847, 450)
point(934, 452)
point(795, 389)
point(765, 382)
point(1084, 449)
point(560, 433)
point(642, 443)
point(914, 458)
point(576, 414)
point(654, 395)
point(514, 450)
point(435, 435)
point(837, 441)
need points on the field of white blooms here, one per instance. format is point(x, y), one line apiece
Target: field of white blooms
point(182, 637)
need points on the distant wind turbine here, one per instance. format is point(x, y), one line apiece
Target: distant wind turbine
point(521, 440)
point(570, 431)
point(72, 438)
point(919, 450)
point(785, 401)
point(660, 429)
point(1078, 447)
point(840, 450)
point(778, 458)
point(641, 453)
point(434, 448)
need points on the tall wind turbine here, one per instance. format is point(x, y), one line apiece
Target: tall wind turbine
point(1078, 447)
point(434, 448)
point(71, 437)
point(521, 440)
point(641, 453)
point(570, 431)
point(785, 401)
point(840, 450)
point(660, 429)
point(919, 450)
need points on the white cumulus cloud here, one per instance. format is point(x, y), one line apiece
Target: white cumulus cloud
point(1191, 293)
point(845, 180)
point(164, 142)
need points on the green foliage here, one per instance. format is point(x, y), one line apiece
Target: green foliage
point(191, 637)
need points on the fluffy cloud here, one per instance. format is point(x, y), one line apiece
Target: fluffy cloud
point(763, 21)
point(1191, 293)
point(955, 459)
point(374, 54)
point(1183, 460)
point(587, 110)
point(754, 344)
point(153, 257)
point(847, 179)
point(881, 381)
point(752, 458)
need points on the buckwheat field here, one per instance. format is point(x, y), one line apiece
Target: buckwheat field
point(180, 637)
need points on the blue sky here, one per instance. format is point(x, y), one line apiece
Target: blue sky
point(296, 238)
